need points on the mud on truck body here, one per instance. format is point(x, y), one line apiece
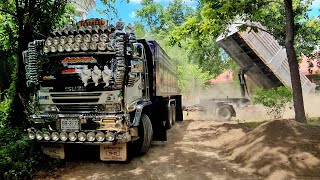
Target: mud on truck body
point(96, 84)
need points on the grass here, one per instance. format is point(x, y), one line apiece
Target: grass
point(313, 121)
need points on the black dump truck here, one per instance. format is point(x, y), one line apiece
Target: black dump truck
point(96, 84)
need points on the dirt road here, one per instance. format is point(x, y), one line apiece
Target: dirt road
point(191, 152)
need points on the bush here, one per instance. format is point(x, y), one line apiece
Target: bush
point(18, 157)
point(274, 99)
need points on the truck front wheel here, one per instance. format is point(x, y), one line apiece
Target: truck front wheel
point(145, 133)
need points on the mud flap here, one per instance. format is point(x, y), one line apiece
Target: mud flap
point(54, 150)
point(113, 152)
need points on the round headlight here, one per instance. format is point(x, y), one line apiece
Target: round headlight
point(76, 46)
point(96, 28)
point(87, 38)
point(60, 48)
point(110, 136)
point(63, 136)
point(91, 136)
point(89, 28)
point(46, 49)
point(55, 136)
point(39, 135)
point(84, 46)
point(102, 46)
point(31, 135)
point(70, 38)
point(56, 40)
point(104, 37)
point(72, 136)
point(81, 29)
point(82, 136)
point(63, 40)
point(95, 38)
point(53, 48)
point(78, 38)
point(46, 136)
point(93, 46)
point(68, 47)
point(48, 41)
point(100, 136)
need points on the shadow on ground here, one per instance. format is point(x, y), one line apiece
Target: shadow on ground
point(216, 150)
point(190, 153)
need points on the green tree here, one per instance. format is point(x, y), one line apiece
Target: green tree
point(274, 99)
point(152, 14)
point(139, 29)
point(25, 21)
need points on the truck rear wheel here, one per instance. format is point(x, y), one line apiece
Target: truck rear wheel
point(174, 115)
point(225, 112)
point(169, 119)
point(145, 133)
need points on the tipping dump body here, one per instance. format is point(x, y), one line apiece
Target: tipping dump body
point(268, 60)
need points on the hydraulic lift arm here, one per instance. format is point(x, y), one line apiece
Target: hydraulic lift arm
point(242, 80)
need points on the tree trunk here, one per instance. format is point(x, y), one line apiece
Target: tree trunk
point(293, 64)
point(17, 114)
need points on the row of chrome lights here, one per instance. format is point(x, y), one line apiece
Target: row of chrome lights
point(77, 43)
point(72, 136)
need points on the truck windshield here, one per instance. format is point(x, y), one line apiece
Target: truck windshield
point(63, 73)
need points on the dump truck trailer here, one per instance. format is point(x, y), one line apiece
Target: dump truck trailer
point(96, 84)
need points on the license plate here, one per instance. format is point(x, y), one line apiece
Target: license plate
point(113, 152)
point(54, 150)
point(69, 124)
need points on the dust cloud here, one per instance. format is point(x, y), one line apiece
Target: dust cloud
point(230, 90)
point(311, 105)
point(253, 112)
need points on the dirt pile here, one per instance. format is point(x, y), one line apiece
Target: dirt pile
point(278, 149)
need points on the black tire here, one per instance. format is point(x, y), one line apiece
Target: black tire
point(143, 143)
point(179, 112)
point(174, 115)
point(169, 119)
point(145, 134)
point(225, 112)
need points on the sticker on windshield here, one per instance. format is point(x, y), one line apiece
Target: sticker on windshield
point(68, 71)
point(75, 60)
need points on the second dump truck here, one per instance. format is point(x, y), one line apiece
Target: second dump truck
point(260, 57)
point(96, 84)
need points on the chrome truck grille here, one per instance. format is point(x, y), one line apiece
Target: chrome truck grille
point(76, 98)
point(76, 108)
point(81, 102)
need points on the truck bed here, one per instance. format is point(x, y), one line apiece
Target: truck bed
point(268, 60)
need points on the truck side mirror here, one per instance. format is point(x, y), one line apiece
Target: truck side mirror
point(138, 51)
point(136, 66)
